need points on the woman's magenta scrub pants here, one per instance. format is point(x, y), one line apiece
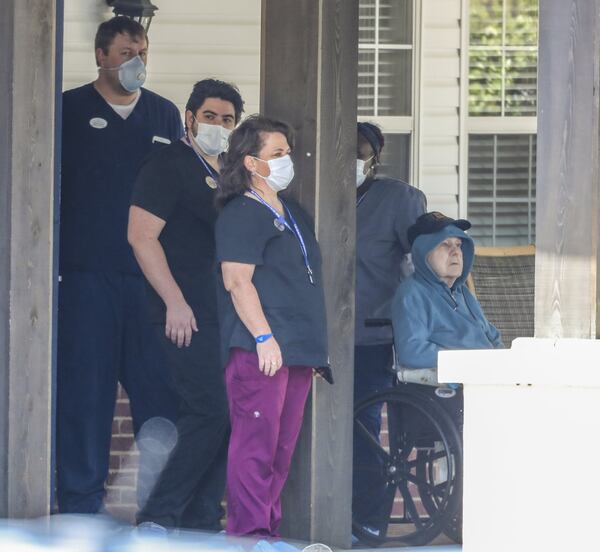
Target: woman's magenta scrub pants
point(266, 416)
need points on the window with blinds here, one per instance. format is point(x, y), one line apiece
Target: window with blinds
point(503, 46)
point(395, 160)
point(385, 83)
point(502, 188)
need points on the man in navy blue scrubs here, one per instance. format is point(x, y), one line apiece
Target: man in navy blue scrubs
point(109, 127)
point(385, 208)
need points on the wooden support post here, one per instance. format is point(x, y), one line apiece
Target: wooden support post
point(27, 89)
point(308, 78)
point(568, 206)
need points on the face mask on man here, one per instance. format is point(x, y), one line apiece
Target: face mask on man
point(282, 172)
point(212, 139)
point(360, 171)
point(132, 73)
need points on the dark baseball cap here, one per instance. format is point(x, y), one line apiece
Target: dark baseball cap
point(432, 222)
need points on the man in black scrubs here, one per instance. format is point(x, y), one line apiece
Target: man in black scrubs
point(171, 230)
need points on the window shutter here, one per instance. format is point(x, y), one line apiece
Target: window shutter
point(385, 57)
point(501, 191)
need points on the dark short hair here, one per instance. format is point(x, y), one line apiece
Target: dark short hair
point(213, 88)
point(117, 25)
point(246, 139)
point(372, 134)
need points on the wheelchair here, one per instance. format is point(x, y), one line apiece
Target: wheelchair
point(412, 473)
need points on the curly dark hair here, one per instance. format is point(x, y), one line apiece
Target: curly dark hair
point(246, 139)
point(213, 88)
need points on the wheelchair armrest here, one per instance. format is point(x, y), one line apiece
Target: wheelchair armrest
point(424, 376)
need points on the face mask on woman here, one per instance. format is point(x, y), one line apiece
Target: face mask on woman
point(212, 139)
point(360, 171)
point(282, 172)
point(132, 73)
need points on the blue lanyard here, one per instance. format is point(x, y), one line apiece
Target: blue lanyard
point(213, 174)
point(294, 229)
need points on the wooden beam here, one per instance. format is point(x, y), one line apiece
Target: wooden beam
point(27, 81)
point(568, 209)
point(308, 78)
point(6, 73)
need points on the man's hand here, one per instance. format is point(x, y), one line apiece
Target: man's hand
point(180, 323)
point(269, 356)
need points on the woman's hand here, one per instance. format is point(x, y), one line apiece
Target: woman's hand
point(269, 356)
point(180, 323)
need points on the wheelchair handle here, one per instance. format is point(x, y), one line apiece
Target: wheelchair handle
point(377, 322)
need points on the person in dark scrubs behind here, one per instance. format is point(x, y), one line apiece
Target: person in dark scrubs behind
point(385, 209)
point(171, 230)
point(109, 126)
point(272, 315)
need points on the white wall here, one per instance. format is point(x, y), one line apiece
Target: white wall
point(531, 426)
point(194, 39)
point(438, 116)
point(189, 40)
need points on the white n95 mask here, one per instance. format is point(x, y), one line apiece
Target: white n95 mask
point(132, 74)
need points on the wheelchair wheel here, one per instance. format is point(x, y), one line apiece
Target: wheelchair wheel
point(428, 466)
point(407, 477)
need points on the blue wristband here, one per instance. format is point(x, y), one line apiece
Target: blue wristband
point(262, 338)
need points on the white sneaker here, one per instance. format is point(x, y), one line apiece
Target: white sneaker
point(317, 547)
point(151, 528)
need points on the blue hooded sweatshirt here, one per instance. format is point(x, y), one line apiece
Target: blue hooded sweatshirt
point(428, 316)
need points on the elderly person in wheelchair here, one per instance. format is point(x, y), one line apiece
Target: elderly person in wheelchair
point(433, 309)
point(410, 482)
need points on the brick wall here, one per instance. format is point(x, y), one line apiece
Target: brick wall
point(124, 458)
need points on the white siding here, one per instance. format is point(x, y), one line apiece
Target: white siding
point(194, 39)
point(438, 117)
point(189, 40)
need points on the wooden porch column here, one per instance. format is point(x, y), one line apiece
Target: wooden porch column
point(27, 85)
point(308, 78)
point(568, 206)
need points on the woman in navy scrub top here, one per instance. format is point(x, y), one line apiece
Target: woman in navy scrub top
point(272, 317)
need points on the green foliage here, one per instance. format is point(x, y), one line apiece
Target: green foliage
point(503, 50)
